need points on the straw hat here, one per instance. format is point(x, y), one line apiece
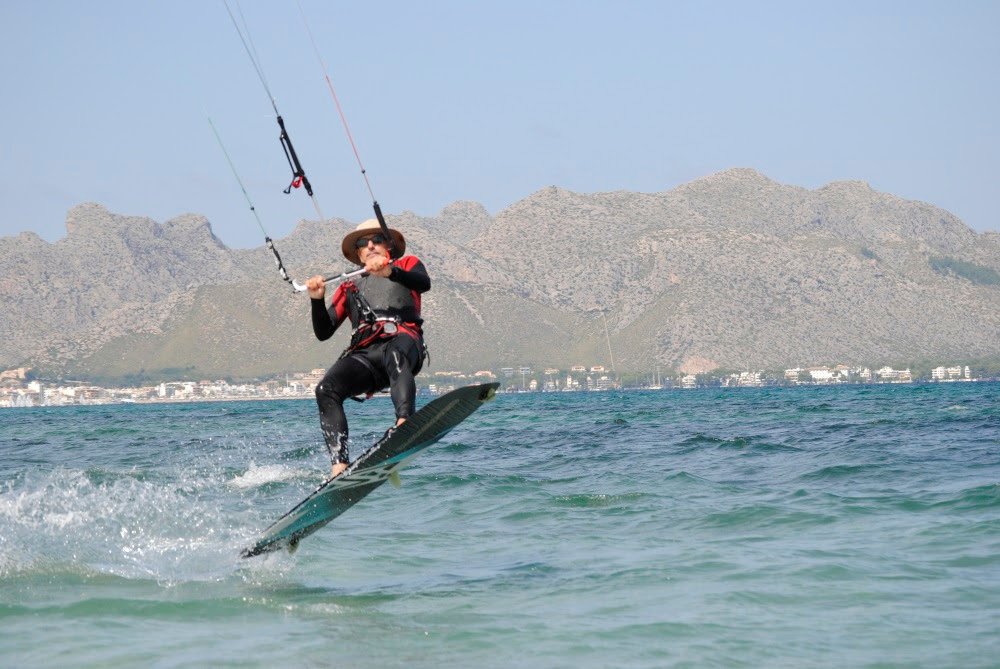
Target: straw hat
point(365, 229)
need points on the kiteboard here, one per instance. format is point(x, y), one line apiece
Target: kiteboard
point(380, 463)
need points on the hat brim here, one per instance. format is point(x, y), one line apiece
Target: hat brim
point(351, 253)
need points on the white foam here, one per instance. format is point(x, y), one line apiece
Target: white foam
point(257, 476)
point(172, 531)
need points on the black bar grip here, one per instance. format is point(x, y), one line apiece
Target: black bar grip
point(293, 159)
point(385, 230)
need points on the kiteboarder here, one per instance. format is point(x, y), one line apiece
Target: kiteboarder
point(386, 347)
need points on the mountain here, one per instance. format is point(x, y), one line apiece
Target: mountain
point(733, 270)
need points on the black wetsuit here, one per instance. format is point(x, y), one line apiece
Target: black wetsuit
point(385, 359)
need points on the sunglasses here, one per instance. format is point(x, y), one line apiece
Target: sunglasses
point(374, 239)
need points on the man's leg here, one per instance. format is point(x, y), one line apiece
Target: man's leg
point(400, 358)
point(347, 377)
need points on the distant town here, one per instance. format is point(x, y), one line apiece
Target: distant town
point(20, 388)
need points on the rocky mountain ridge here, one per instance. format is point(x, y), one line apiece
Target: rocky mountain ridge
point(733, 270)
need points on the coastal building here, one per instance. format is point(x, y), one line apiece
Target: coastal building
point(744, 380)
point(954, 373)
point(18, 374)
point(820, 374)
point(603, 382)
point(453, 374)
point(890, 375)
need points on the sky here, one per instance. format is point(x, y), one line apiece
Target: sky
point(108, 102)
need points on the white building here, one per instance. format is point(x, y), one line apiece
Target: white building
point(820, 374)
point(744, 380)
point(950, 373)
point(894, 375)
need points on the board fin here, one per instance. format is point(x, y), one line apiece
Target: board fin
point(394, 478)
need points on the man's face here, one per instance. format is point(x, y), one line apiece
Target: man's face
point(373, 244)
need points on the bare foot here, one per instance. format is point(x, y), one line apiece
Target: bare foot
point(400, 421)
point(337, 469)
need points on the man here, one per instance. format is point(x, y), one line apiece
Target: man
point(387, 347)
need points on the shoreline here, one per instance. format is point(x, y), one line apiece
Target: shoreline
point(423, 392)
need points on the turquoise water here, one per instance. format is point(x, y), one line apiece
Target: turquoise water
point(811, 527)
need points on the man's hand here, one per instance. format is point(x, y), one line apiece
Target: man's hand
point(317, 287)
point(378, 265)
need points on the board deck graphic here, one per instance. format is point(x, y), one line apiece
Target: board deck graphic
point(372, 468)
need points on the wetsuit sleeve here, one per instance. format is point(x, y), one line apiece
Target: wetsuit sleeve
point(326, 321)
point(410, 273)
point(323, 326)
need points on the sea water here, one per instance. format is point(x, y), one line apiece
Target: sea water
point(854, 526)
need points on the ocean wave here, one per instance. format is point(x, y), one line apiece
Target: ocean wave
point(759, 516)
point(978, 498)
point(599, 500)
point(257, 476)
point(130, 526)
point(754, 443)
point(836, 472)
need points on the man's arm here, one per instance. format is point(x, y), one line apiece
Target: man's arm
point(410, 273)
point(326, 321)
